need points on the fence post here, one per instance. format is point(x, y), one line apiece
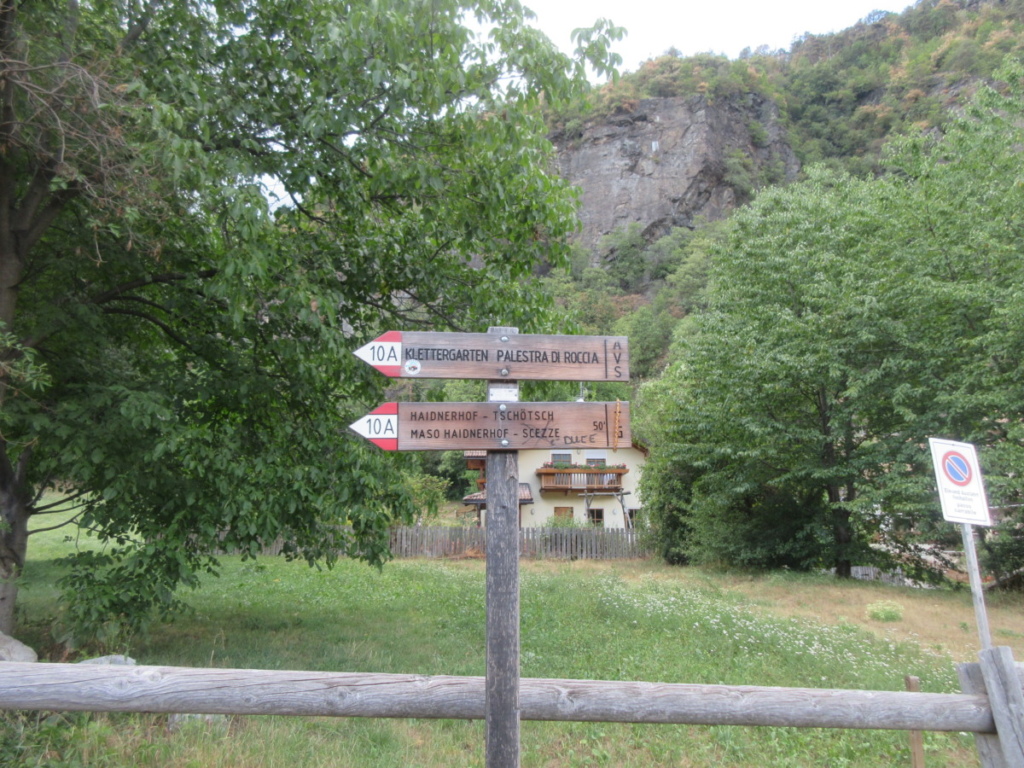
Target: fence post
point(990, 751)
point(1007, 701)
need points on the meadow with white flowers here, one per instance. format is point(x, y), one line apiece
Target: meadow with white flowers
point(635, 620)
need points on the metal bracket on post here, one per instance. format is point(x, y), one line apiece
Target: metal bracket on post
point(502, 522)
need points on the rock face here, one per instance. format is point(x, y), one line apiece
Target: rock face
point(664, 162)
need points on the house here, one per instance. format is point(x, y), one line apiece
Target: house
point(596, 486)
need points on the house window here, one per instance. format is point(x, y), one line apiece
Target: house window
point(596, 462)
point(563, 513)
point(631, 517)
point(561, 458)
point(596, 517)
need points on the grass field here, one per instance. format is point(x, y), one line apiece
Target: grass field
point(619, 620)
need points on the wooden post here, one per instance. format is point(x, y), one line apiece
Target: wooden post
point(977, 592)
point(913, 684)
point(501, 704)
point(1006, 698)
point(990, 751)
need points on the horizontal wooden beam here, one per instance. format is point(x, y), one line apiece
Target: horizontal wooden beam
point(77, 687)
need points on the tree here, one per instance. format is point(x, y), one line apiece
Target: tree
point(203, 209)
point(966, 224)
point(769, 431)
point(848, 321)
point(624, 250)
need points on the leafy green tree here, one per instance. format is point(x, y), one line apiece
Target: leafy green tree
point(848, 321)
point(206, 207)
point(964, 220)
point(624, 250)
point(649, 330)
point(686, 282)
point(773, 431)
point(590, 305)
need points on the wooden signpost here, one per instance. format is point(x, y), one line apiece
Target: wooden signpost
point(503, 355)
point(501, 426)
point(496, 426)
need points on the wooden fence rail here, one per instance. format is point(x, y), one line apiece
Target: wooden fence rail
point(555, 543)
point(78, 687)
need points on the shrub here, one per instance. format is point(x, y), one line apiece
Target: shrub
point(885, 610)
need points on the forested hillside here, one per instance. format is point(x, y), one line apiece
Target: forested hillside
point(841, 95)
point(839, 98)
point(801, 348)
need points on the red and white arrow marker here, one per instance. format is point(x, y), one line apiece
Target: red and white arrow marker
point(384, 353)
point(380, 426)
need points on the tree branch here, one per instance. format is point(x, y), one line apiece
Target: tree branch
point(69, 521)
point(168, 331)
point(139, 28)
point(142, 282)
point(52, 507)
point(46, 218)
point(37, 191)
point(144, 301)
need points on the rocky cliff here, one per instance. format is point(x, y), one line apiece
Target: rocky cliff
point(664, 162)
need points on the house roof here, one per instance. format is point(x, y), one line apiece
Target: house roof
point(480, 497)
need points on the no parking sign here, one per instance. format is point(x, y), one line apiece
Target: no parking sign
point(961, 490)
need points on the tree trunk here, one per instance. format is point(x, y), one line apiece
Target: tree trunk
point(14, 514)
point(8, 603)
point(842, 535)
point(13, 545)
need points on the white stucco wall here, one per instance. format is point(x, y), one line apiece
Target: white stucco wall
point(542, 510)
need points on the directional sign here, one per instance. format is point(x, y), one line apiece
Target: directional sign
point(496, 426)
point(961, 490)
point(380, 426)
point(411, 354)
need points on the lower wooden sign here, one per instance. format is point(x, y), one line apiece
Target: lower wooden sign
point(496, 426)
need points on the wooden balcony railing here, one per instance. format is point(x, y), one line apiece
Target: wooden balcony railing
point(579, 479)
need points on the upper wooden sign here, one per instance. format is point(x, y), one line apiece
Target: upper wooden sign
point(419, 355)
point(496, 426)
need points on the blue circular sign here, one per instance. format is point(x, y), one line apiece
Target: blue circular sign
point(957, 468)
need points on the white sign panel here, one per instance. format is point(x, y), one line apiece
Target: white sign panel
point(380, 426)
point(961, 490)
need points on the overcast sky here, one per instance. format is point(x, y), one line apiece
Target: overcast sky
point(721, 26)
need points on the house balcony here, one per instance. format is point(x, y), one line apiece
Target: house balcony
point(580, 479)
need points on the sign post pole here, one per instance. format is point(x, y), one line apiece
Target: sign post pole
point(977, 592)
point(963, 500)
point(502, 427)
point(502, 521)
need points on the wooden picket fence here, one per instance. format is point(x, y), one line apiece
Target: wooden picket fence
point(537, 543)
